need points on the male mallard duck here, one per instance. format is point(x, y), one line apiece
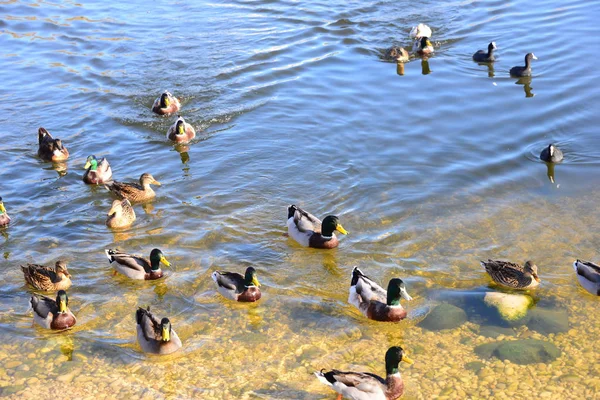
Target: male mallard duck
point(181, 131)
point(418, 33)
point(373, 301)
point(368, 386)
point(4, 218)
point(237, 287)
point(482, 56)
point(397, 54)
point(166, 104)
point(46, 278)
point(51, 149)
point(512, 275)
point(308, 230)
point(97, 172)
point(588, 275)
point(526, 70)
point(424, 46)
point(551, 154)
point(52, 314)
point(136, 267)
point(120, 215)
point(153, 336)
point(134, 192)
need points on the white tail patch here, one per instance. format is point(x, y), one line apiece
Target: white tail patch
point(110, 257)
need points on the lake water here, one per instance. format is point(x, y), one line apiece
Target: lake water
point(429, 171)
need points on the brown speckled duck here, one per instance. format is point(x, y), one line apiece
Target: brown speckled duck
point(512, 275)
point(134, 192)
point(97, 172)
point(181, 131)
point(237, 287)
point(309, 231)
point(396, 53)
point(46, 278)
point(51, 149)
point(136, 267)
point(155, 337)
point(52, 314)
point(120, 215)
point(4, 218)
point(166, 104)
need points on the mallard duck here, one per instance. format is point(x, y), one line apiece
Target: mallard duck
point(482, 56)
point(368, 386)
point(4, 218)
point(51, 149)
point(512, 275)
point(181, 131)
point(166, 104)
point(420, 45)
point(588, 275)
point(120, 215)
point(419, 31)
point(52, 314)
point(373, 301)
point(551, 154)
point(97, 172)
point(308, 230)
point(424, 47)
point(134, 192)
point(46, 278)
point(397, 54)
point(526, 70)
point(237, 287)
point(136, 267)
point(153, 336)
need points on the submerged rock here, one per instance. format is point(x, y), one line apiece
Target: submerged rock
point(546, 321)
point(511, 307)
point(444, 316)
point(524, 351)
point(495, 331)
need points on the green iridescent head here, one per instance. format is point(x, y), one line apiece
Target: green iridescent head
point(331, 223)
point(393, 356)
point(91, 163)
point(157, 257)
point(250, 278)
point(396, 289)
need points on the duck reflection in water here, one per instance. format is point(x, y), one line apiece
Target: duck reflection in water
point(526, 82)
point(490, 68)
point(550, 172)
point(425, 70)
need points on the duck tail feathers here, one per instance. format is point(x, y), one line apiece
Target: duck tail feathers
point(356, 273)
point(109, 255)
point(292, 210)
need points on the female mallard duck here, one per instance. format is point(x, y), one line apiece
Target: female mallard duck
point(52, 314)
point(512, 275)
point(120, 215)
point(153, 336)
point(588, 275)
point(166, 104)
point(526, 70)
point(397, 54)
point(482, 56)
point(97, 171)
point(181, 131)
point(51, 149)
point(4, 218)
point(136, 267)
point(237, 287)
point(551, 154)
point(309, 231)
point(46, 278)
point(368, 386)
point(373, 301)
point(134, 192)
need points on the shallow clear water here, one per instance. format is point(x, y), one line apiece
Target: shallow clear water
point(292, 103)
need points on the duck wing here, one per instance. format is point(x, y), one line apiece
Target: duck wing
point(39, 276)
point(357, 385)
point(129, 261)
point(148, 323)
point(506, 273)
point(304, 220)
point(588, 270)
point(367, 288)
point(229, 280)
point(43, 306)
point(124, 190)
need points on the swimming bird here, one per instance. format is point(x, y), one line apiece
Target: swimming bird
point(121, 214)
point(368, 386)
point(421, 46)
point(396, 53)
point(166, 104)
point(134, 192)
point(588, 275)
point(375, 302)
point(52, 314)
point(237, 287)
point(424, 47)
point(512, 275)
point(155, 337)
point(50, 149)
point(551, 154)
point(46, 278)
point(419, 31)
point(136, 267)
point(309, 231)
point(526, 70)
point(181, 131)
point(4, 218)
point(97, 172)
point(482, 56)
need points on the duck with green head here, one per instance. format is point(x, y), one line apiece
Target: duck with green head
point(237, 287)
point(4, 218)
point(166, 104)
point(425, 47)
point(373, 301)
point(309, 231)
point(136, 267)
point(97, 172)
point(132, 191)
point(51, 149)
point(368, 386)
point(155, 337)
point(181, 131)
point(52, 314)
